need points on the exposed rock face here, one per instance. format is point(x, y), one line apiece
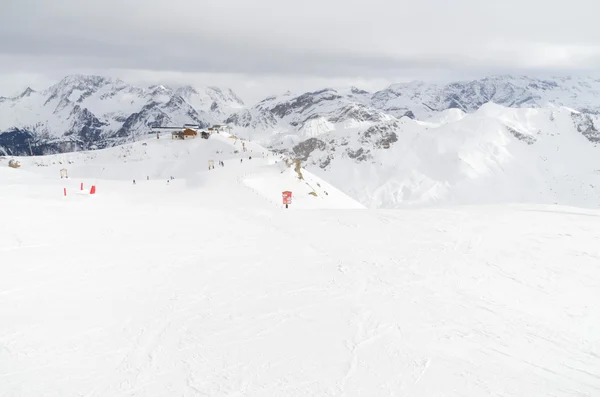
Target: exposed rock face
point(520, 136)
point(585, 125)
point(359, 155)
point(381, 135)
point(22, 143)
point(304, 149)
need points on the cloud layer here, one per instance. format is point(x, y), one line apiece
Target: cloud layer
point(262, 40)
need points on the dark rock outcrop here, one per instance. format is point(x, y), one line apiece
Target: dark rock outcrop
point(304, 149)
point(585, 125)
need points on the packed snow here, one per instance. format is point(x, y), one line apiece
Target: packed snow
point(205, 284)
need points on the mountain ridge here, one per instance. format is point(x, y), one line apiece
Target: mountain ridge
point(501, 138)
point(88, 112)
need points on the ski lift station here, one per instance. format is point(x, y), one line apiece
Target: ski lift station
point(188, 131)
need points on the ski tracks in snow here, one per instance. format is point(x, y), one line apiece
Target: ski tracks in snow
point(367, 331)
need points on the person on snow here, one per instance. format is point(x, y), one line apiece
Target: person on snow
point(134, 181)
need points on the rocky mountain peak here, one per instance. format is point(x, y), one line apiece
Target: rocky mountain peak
point(28, 91)
point(224, 95)
point(80, 81)
point(358, 91)
point(160, 89)
point(186, 90)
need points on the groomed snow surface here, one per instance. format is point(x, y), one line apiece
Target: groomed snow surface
point(206, 286)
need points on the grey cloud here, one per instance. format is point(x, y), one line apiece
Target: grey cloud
point(222, 57)
point(321, 38)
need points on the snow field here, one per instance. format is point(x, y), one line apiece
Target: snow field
point(207, 286)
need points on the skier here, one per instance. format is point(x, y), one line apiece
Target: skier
point(147, 177)
point(134, 181)
point(241, 160)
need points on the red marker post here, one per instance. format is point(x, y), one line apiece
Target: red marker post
point(287, 198)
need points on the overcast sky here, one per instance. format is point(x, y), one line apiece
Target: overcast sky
point(262, 47)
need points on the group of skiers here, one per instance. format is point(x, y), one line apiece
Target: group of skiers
point(148, 178)
point(221, 163)
point(212, 167)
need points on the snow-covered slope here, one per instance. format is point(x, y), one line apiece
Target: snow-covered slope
point(206, 285)
point(84, 111)
point(493, 155)
point(257, 169)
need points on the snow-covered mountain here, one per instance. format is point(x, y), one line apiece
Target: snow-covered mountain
point(308, 115)
point(495, 154)
point(421, 98)
point(496, 139)
point(81, 112)
point(501, 138)
point(327, 110)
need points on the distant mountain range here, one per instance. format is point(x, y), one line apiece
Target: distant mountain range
point(499, 138)
point(328, 110)
point(86, 112)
